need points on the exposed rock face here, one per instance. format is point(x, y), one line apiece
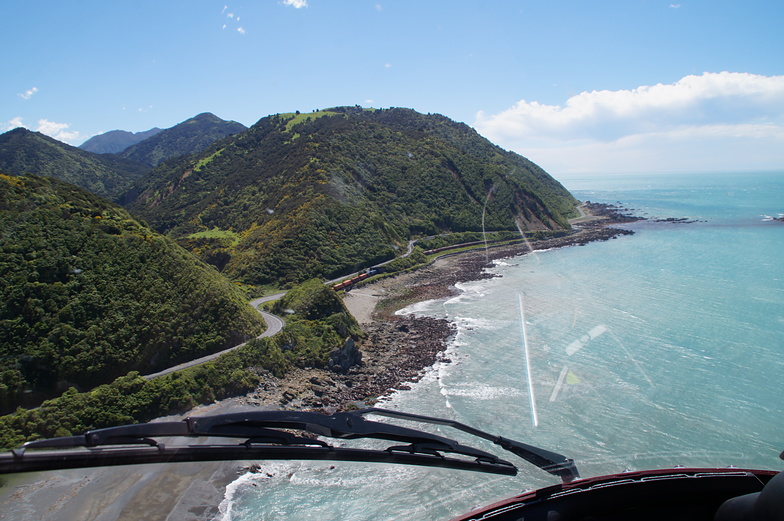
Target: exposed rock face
point(341, 359)
point(393, 355)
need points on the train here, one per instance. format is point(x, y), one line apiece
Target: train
point(350, 282)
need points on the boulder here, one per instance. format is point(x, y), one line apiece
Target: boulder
point(340, 359)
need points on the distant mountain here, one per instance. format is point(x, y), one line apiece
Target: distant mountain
point(321, 194)
point(26, 152)
point(188, 137)
point(116, 141)
point(89, 293)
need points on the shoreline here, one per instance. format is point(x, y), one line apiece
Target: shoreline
point(399, 348)
point(397, 351)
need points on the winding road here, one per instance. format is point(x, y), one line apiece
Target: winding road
point(584, 216)
point(274, 325)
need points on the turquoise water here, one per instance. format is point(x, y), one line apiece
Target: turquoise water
point(658, 349)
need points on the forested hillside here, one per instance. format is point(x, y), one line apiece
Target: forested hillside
point(89, 293)
point(26, 152)
point(321, 194)
point(190, 136)
point(316, 333)
point(108, 174)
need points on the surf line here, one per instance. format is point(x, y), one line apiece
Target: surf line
point(531, 398)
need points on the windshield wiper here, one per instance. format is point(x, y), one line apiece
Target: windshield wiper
point(552, 462)
point(266, 435)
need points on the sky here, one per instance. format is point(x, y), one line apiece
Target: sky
point(577, 86)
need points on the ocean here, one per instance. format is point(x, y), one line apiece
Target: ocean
point(651, 350)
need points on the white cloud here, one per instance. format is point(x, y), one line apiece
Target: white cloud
point(28, 93)
point(297, 4)
point(50, 128)
point(720, 148)
point(728, 110)
point(14, 123)
point(241, 30)
point(57, 130)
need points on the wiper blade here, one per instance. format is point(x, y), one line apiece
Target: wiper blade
point(263, 439)
point(552, 462)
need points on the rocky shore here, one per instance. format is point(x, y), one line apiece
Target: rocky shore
point(394, 352)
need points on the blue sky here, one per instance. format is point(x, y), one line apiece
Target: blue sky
point(577, 86)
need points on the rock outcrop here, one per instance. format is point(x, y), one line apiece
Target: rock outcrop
point(341, 359)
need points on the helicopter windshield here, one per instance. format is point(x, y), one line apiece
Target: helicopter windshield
point(572, 238)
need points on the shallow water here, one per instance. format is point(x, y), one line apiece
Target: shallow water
point(658, 349)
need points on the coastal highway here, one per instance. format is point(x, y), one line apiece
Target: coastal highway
point(274, 325)
point(584, 216)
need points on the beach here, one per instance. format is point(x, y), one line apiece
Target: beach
point(396, 351)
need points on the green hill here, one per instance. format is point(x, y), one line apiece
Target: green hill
point(188, 137)
point(299, 196)
point(26, 152)
point(89, 293)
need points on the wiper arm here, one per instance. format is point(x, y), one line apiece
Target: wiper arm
point(263, 439)
point(551, 462)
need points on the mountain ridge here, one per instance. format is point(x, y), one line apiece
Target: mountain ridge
point(115, 141)
point(191, 136)
point(25, 151)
